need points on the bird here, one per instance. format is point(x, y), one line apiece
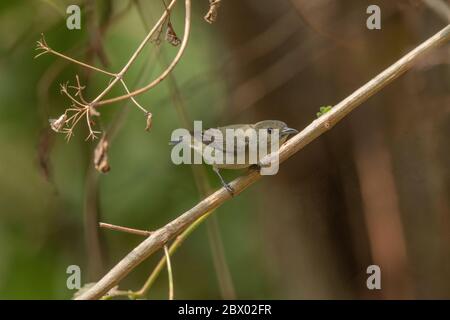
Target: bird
point(216, 140)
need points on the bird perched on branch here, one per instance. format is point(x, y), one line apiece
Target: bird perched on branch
point(235, 146)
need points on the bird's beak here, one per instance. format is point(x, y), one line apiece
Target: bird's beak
point(288, 131)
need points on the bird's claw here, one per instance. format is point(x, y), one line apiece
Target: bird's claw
point(229, 189)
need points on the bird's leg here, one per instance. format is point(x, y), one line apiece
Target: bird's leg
point(224, 183)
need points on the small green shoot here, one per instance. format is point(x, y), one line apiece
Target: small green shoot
point(323, 110)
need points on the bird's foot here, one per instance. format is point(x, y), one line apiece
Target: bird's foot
point(258, 167)
point(229, 189)
point(224, 183)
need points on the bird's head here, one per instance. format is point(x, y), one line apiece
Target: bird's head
point(283, 130)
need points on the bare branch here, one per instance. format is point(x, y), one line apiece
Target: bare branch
point(138, 232)
point(166, 72)
point(169, 271)
point(45, 48)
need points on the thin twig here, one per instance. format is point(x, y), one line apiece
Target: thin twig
point(166, 72)
point(132, 98)
point(43, 46)
point(162, 262)
point(169, 271)
point(138, 232)
point(319, 126)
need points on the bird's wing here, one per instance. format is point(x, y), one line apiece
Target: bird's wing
point(218, 135)
point(213, 135)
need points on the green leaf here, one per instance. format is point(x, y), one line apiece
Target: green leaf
point(323, 110)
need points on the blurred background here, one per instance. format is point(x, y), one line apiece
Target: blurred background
point(374, 190)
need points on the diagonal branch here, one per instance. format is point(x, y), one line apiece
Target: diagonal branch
point(160, 237)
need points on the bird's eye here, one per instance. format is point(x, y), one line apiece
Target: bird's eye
point(269, 130)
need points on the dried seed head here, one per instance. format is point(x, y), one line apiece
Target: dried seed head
point(58, 124)
point(171, 36)
point(101, 156)
point(211, 16)
point(149, 121)
point(42, 46)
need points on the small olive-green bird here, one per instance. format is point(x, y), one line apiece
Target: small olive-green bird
point(216, 140)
